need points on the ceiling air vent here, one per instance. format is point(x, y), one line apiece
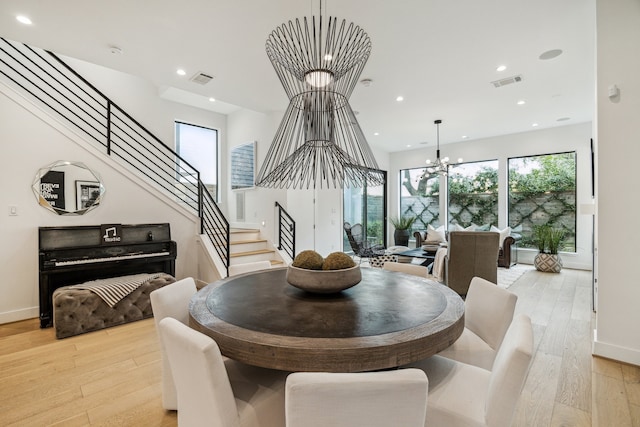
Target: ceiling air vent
point(201, 78)
point(507, 81)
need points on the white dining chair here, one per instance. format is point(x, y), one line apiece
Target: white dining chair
point(372, 399)
point(218, 392)
point(462, 395)
point(413, 269)
point(171, 301)
point(488, 313)
point(248, 267)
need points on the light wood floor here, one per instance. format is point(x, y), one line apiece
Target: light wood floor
point(112, 377)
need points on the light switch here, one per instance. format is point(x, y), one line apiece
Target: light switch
point(13, 210)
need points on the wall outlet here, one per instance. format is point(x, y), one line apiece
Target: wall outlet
point(13, 211)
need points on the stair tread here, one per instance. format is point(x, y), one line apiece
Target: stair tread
point(240, 242)
point(243, 230)
point(256, 252)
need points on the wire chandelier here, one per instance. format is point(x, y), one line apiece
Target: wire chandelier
point(319, 141)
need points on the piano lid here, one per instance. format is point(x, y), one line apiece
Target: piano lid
point(51, 238)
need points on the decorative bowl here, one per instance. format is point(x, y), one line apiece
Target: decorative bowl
point(323, 281)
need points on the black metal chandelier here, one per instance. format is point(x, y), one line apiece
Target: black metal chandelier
point(319, 140)
point(440, 166)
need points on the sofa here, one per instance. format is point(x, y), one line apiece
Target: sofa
point(507, 254)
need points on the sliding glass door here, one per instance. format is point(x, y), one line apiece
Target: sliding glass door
point(367, 205)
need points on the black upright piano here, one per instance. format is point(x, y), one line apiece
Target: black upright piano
point(72, 255)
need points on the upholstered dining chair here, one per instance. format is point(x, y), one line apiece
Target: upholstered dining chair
point(465, 395)
point(487, 315)
point(402, 267)
point(247, 267)
point(471, 253)
point(216, 392)
point(372, 399)
point(171, 301)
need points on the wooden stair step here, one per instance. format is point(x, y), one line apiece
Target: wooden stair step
point(240, 242)
point(258, 252)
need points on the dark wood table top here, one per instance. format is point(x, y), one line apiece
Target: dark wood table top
point(387, 320)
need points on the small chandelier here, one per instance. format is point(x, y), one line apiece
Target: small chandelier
point(440, 166)
point(319, 140)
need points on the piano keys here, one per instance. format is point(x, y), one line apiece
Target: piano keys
point(73, 255)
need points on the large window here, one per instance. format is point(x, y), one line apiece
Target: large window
point(198, 146)
point(366, 205)
point(419, 197)
point(542, 191)
point(473, 193)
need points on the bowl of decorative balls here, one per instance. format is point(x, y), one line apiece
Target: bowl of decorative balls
point(313, 273)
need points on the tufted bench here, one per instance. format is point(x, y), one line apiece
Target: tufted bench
point(76, 311)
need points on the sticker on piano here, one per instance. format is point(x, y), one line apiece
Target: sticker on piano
point(111, 233)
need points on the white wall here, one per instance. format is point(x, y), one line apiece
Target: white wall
point(246, 126)
point(554, 140)
point(618, 198)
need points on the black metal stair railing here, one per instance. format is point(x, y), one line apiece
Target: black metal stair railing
point(45, 79)
point(286, 232)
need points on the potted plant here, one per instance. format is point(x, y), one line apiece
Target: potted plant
point(403, 229)
point(548, 240)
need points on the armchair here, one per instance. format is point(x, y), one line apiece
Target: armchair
point(361, 248)
point(470, 254)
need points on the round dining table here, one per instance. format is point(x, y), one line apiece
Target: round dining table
point(387, 320)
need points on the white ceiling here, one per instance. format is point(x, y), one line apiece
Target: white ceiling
point(440, 55)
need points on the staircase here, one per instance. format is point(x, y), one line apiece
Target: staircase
point(248, 246)
point(44, 79)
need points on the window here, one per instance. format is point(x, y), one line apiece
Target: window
point(473, 193)
point(542, 191)
point(198, 149)
point(419, 197)
point(367, 206)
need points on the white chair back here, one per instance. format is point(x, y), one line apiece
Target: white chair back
point(247, 267)
point(204, 390)
point(372, 399)
point(509, 372)
point(488, 311)
point(413, 269)
point(171, 301)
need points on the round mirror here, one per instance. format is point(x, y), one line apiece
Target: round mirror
point(68, 188)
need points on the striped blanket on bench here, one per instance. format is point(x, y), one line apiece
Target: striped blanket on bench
point(114, 289)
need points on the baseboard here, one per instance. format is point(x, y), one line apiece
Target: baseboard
point(614, 352)
point(17, 315)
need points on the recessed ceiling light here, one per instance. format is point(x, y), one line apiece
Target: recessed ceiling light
point(550, 54)
point(328, 57)
point(181, 72)
point(212, 100)
point(408, 145)
point(376, 133)
point(534, 125)
point(464, 137)
point(521, 102)
point(563, 119)
point(400, 98)
point(24, 20)
point(501, 68)
point(115, 50)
